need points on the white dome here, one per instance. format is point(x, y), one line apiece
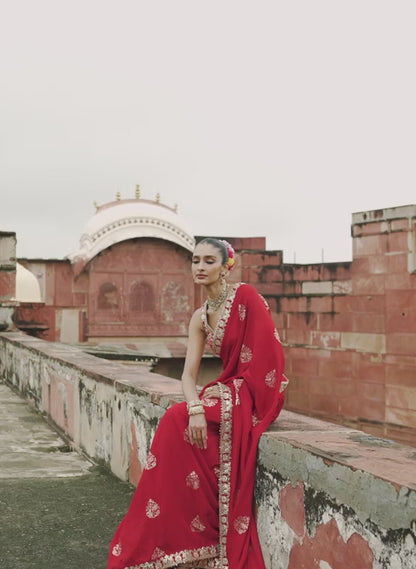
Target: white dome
point(128, 219)
point(27, 285)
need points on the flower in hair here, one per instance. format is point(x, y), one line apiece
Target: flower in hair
point(230, 252)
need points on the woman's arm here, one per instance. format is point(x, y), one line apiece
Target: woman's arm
point(197, 427)
point(196, 343)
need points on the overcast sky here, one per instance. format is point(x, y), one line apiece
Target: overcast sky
point(261, 117)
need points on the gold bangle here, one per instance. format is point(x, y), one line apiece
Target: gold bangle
point(196, 410)
point(199, 406)
point(193, 403)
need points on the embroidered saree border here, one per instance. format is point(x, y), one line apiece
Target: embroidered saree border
point(192, 558)
point(217, 335)
point(224, 482)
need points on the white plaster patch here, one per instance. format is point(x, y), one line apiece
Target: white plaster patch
point(317, 287)
point(64, 395)
point(342, 287)
point(326, 339)
point(6, 315)
point(143, 412)
point(362, 342)
point(396, 563)
point(276, 536)
point(324, 565)
point(70, 326)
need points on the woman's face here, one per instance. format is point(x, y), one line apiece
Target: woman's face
point(207, 264)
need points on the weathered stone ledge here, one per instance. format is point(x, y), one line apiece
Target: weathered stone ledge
point(328, 496)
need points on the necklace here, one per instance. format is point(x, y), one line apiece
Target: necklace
point(214, 303)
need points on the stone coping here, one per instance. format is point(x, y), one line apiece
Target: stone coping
point(382, 458)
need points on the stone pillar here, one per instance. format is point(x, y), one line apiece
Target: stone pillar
point(7, 278)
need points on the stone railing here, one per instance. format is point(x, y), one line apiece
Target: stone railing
point(328, 497)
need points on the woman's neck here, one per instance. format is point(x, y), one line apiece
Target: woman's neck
point(215, 302)
point(214, 289)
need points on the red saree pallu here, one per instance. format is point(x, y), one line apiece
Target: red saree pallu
point(194, 507)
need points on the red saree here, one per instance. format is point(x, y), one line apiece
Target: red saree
point(193, 507)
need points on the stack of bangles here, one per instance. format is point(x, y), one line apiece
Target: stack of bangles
point(195, 407)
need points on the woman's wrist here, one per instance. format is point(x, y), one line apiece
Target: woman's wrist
point(196, 410)
point(195, 407)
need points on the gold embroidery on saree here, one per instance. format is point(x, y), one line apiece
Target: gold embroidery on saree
point(238, 382)
point(157, 554)
point(197, 525)
point(207, 402)
point(192, 480)
point(241, 524)
point(215, 337)
point(152, 509)
point(150, 462)
point(116, 551)
point(224, 482)
point(246, 354)
point(270, 378)
point(204, 557)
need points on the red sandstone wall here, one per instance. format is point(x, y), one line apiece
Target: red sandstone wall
point(140, 287)
point(350, 328)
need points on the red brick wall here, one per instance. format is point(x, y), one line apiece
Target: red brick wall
point(350, 328)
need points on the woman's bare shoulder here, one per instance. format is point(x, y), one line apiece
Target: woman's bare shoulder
point(197, 313)
point(196, 319)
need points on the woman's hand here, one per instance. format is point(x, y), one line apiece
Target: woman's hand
point(212, 392)
point(197, 430)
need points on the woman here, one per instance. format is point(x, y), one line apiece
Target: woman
point(193, 505)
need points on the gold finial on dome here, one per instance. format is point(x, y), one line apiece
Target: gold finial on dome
point(176, 208)
point(157, 197)
point(118, 196)
point(137, 191)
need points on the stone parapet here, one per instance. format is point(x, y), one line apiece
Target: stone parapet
point(328, 497)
